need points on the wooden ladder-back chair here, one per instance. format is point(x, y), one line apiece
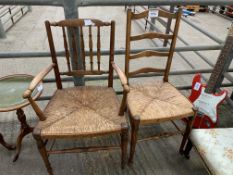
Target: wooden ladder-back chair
point(156, 101)
point(83, 111)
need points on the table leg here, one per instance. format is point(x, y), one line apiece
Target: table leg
point(24, 130)
point(6, 145)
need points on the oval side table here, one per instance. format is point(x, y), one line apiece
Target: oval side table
point(12, 88)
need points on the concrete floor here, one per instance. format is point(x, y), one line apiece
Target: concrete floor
point(28, 35)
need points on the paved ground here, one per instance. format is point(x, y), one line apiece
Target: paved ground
point(159, 157)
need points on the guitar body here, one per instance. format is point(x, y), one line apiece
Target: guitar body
point(207, 104)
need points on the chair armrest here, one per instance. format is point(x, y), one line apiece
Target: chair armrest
point(122, 77)
point(36, 80)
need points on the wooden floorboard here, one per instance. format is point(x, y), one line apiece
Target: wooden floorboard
point(152, 157)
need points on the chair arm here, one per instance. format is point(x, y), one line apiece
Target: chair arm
point(122, 77)
point(36, 80)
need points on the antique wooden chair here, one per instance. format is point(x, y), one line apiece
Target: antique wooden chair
point(156, 101)
point(83, 111)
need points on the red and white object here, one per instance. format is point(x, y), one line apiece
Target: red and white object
point(206, 104)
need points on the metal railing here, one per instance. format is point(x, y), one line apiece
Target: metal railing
point(9, 15)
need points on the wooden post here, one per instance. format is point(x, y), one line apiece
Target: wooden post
point(222, 64)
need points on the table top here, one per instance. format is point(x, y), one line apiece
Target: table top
point(12, 88)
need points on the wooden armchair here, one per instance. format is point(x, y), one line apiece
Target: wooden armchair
point(83, 111)
point(156, 101)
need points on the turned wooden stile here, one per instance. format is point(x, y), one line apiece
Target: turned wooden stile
point(82, 45)
point(111, 56)
point(91, 48)
point(98, 47)
point(66, 49)
point(74, 45)
point(127, 47)
point(173, 44)
point(53, 55)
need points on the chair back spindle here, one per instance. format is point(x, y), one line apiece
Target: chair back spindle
point(83, 25)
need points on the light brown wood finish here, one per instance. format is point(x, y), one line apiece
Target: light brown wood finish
point(83, 72)
point(173, 44)
point(85, 111)
point(126, 88)
point(153, 102)
point(111, 56)
point(145, 70)
point(98, 47)
point(79, 22)
point(91, 47)
point(53, 54)
point(150, 35)
point(66, 49)
point(149, 53)
point(37, 79)
point(82, 48)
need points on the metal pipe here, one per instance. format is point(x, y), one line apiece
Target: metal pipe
point(7, 55)
point(116, 2)
point(152, 2)
point(33, 2)
point(104, 77)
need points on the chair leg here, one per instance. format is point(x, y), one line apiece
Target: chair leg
point(186, 134)
point(124, 143)
point(134, 134)
point(43, 153)
point(188, 148)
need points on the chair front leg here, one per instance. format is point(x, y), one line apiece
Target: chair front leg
point(134, 134)
point(186, 134)
point(43, 153)
point(124, 143)
point(188, 148)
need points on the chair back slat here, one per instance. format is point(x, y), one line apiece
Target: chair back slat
point(139, 15)
point(66, 49)
point(82, 33)
point(82, 48)
point(167, 14)
point(148, 53)
point(150, 35)
point(79, 22)
point(74, 44)
point(84, 72)
point(145, 70)
point(98, 47)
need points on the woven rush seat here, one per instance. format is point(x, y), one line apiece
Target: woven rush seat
point(81, 111)
point(157, 101)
